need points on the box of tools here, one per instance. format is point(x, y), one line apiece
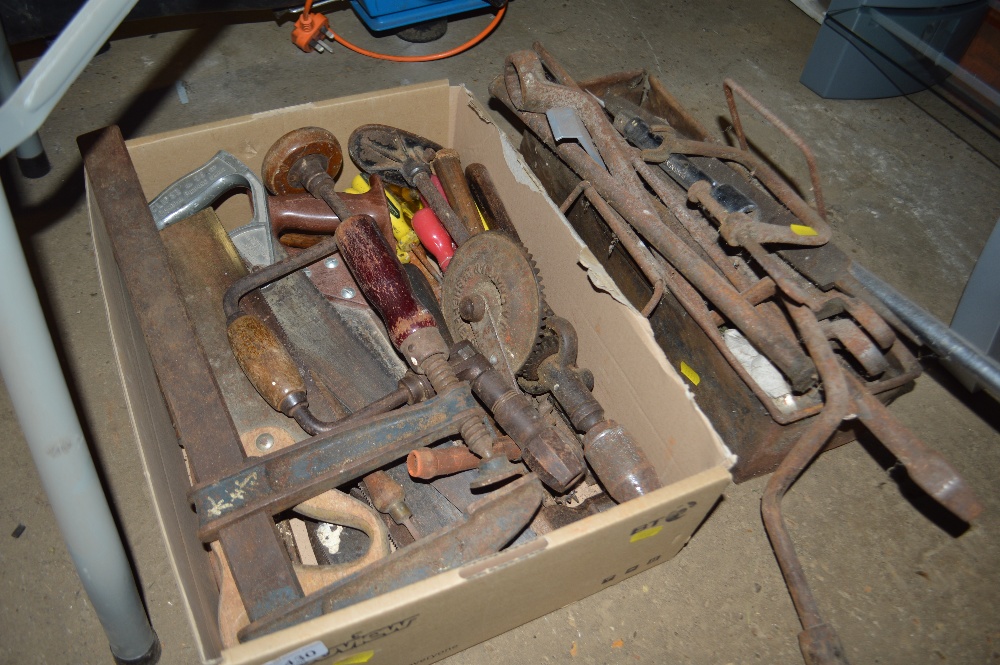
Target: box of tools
point(253, 592)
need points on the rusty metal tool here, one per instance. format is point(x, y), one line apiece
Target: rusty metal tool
point(189, 389)
point(333, 507)
point(272, 370)
point(525, 89)
point(308, 159)
point(431, 509)
point(402, 158)
point(491, 296)
point(636, 125)
point(413, 331)
point(274, 374)
point(760, 429)
point(303, 218)
point(203, 260)
point(493, 521)
point(488, 200)
point(813, 232)
point(741, 226)
point(846, 397)
point(286, 478)
point(699, 265)
point(616, 458)
point(856, 328)
point(552, 454)
point(448, 168)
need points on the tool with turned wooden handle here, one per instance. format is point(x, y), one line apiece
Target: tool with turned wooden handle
point(301, 214)
point(448, 167)
point(413, 331)
point(270, 367)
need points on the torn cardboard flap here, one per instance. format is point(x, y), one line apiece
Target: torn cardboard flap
point(478, 108)
point(600, 278)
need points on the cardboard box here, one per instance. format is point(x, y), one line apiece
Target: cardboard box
point(440, 616)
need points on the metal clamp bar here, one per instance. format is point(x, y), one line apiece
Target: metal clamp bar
point(290, 476)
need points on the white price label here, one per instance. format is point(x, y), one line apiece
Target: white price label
point(302, 656)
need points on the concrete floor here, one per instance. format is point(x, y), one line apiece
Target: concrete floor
point(908, 198)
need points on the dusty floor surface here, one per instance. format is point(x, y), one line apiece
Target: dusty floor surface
point(908, 199)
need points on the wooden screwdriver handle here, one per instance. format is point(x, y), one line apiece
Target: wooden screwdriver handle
point(448, 168)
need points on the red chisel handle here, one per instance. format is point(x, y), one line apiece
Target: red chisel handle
point(381, 278)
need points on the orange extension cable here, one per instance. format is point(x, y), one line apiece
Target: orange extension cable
point(307, 17)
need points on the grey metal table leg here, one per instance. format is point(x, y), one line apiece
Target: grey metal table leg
point(30, 368)
point(31, 158)
point(977, 318)
point(34, 379)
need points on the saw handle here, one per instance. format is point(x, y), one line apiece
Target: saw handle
point(381, 278)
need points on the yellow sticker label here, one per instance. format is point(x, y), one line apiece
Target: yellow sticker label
point(803, 230)
point(362, 657)
point(691, 375)
point(645, 533)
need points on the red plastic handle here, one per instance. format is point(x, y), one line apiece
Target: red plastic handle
point(433, 236)
point(381, 278)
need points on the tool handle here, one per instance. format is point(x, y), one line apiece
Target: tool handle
point(488, 199)
point(434, 236)
point(381, 278)
point(266, 363)
point(293, 215)
point(448, 167)
point(430, 463)
point(434, 198)
point(302, 213)
point(387, 496)
point(619, 462)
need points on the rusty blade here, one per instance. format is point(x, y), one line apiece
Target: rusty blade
point(494, 521)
